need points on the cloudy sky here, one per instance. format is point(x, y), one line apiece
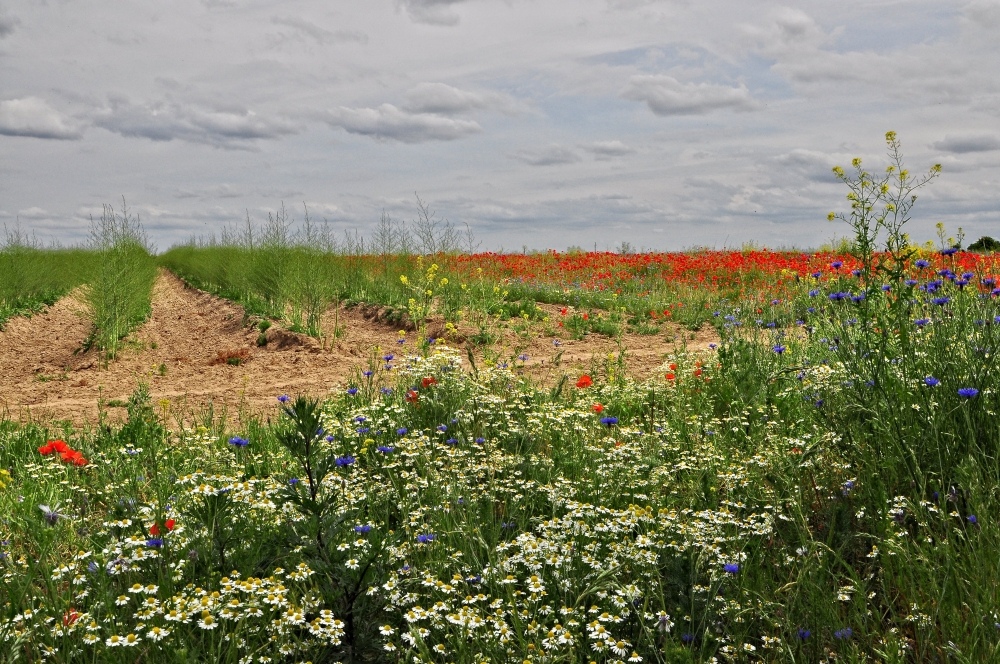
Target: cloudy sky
point(666, 124)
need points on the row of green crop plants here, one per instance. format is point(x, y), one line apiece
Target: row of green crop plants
point(817, 495)
point(115, 269)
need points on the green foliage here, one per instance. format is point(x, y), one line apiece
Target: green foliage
point(32, 277)
point(985, 244)
point(119, 291)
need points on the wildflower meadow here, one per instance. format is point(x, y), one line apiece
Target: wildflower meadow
point(820, 485)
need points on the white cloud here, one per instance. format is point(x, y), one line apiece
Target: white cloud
point(33, 117)
point(167, 121)
point(547, 156)
point(665, 95)
point(388, 122)
point(968, 143)
point(434, 12)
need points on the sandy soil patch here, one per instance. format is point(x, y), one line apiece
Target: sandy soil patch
point(181, 353)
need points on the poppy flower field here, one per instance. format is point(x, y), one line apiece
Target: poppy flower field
point(819, 485)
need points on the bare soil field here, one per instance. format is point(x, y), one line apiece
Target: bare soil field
point(181, 352)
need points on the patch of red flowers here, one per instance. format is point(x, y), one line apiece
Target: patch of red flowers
point(598, 408)
point(585, 381)
point(428, 381)
point(155, 528)
point(66, 453)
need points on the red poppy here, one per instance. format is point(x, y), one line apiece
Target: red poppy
point(697, 372)
point(412, 396)
point(428, 381)
point(70, 617)
point(585, 381)
point(562, 312)
point(70, 456)
point(154, 529)
point(46, 449)
point(670, 376)
point(598, 408)
point(169, 524)
point(80, 460)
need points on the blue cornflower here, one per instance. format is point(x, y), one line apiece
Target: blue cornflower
point(949, 251)
point(921, 263)
point(856, 273)
point(687, 638)
point(292, 481)
point(442, 428)
point(967, 392)
point(364, 528)
point(367, 373)
point(351, 391)
point(360, 418)
point(236, 441)
point(886, 288)
point(837, 296)
point(814, 292)
point(480, 440)
point(846, 489)
point(93, 567)
point(385, 449)
point(154, 543)
point(843, 634)
point(804, 634)
point(817, 275)
point(931, 381)
point(283, 398)
point(329, 439)
point(920, 322)
point(775, 302)
point(523, 357)
point(387, 391)
point(858, 298)
point(401, 341)
point(941, 301)
point(837, 264)
point(731, 568)
point(425, 538)
point(609, 421)
point(452, 441)
point(779, 349)
point(972, 519)
point(402, 431)
point(345, 460)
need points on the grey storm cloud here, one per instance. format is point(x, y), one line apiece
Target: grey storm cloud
point(968, 143)
point(387, 122)
point(7, 25)
point(317, 33)
point(446, 100)
point(665, 95)
point(607, 149)
point(434, 12)
point(167, 121)
point(33, 117)
point(547, 156)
